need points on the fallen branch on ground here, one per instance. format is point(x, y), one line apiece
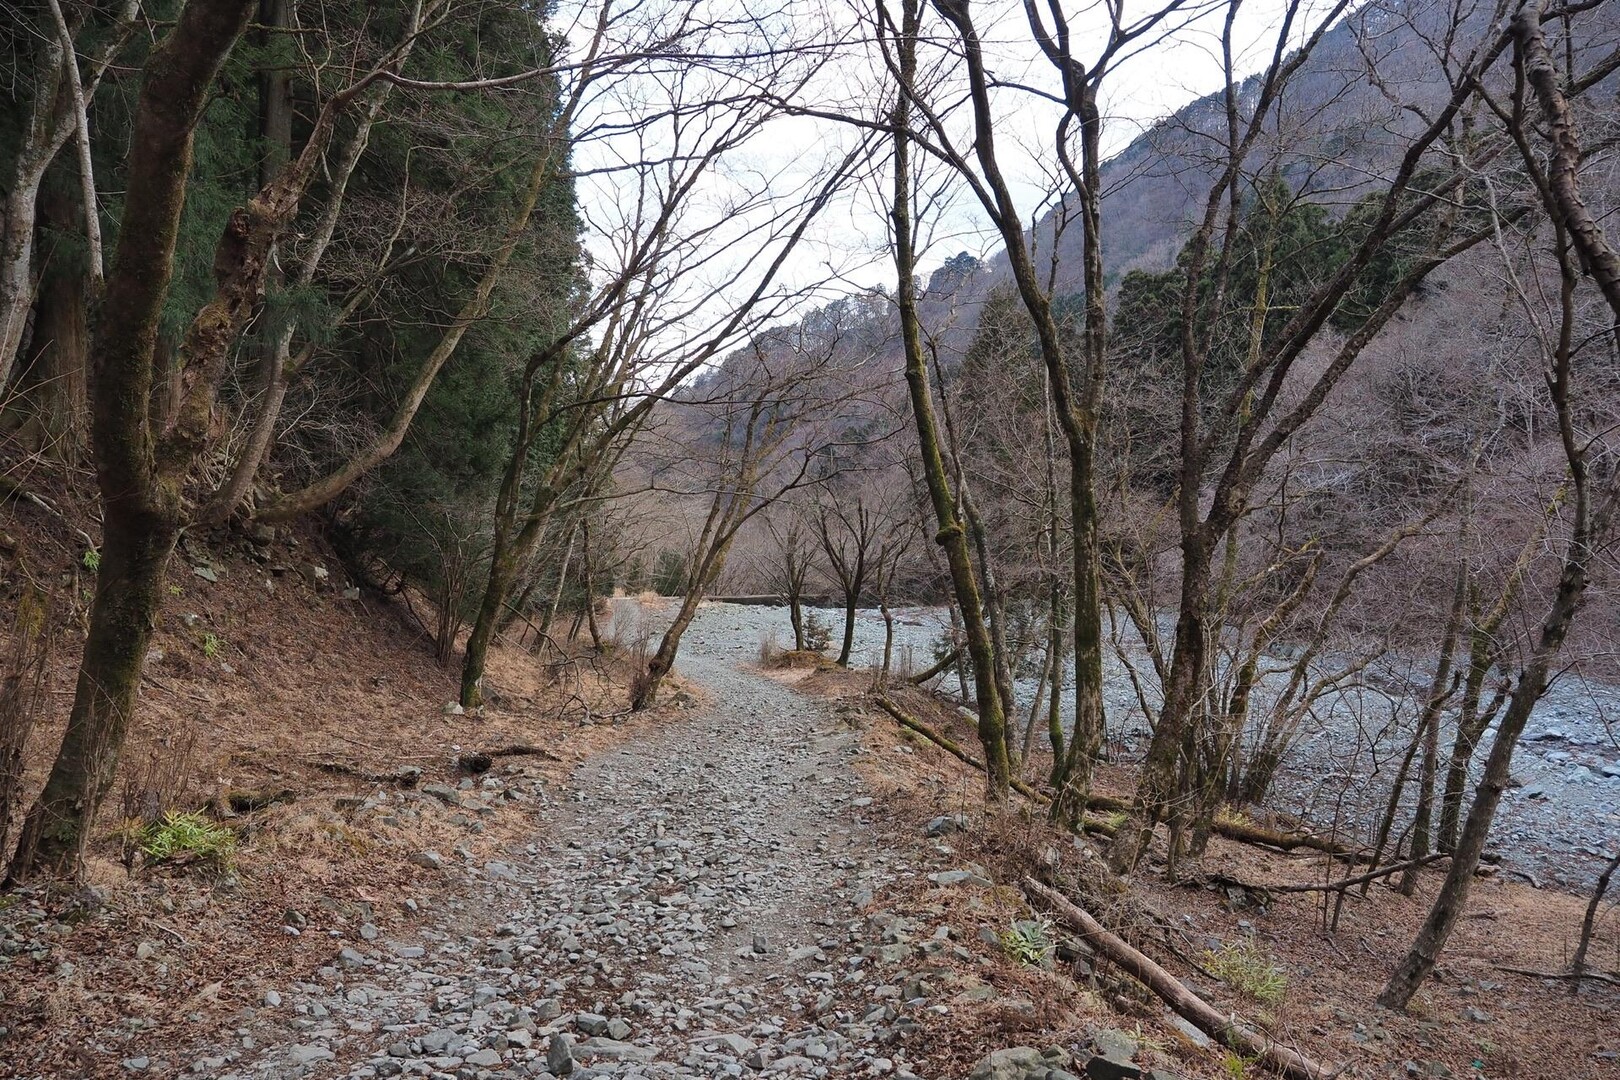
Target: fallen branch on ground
point(1254, 834)
point(1303, 887)
point(1595, 976)
point(1173, 992)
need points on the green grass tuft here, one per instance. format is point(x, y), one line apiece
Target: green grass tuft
point(1249, 970)
point(188, 837)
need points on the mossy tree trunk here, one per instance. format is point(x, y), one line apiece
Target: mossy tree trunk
point(951, 535)
point(138, 473)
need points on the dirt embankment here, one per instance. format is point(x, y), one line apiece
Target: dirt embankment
point(309, 717)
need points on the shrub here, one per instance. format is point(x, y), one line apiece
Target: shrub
point(817, 632)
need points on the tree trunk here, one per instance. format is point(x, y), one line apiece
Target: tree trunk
point(1157, 784)
point(44, 131)
point(1090, 720)
point(140, 483)
point(1577, 966)
point(129, 591)
point(53, 380)
point(951, 535)
point(589, 567)
point(796, 618)
point(562, 583)
point(503, 570)
point(851, 601)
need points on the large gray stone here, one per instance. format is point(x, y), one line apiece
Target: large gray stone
point(1014, 1063)
point(599, 1049)
point(560, 1055)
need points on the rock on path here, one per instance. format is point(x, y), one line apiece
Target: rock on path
point(692, 909)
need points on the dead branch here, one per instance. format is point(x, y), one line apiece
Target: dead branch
point(944, 665)
point(1304, 887)
point(1595, 976)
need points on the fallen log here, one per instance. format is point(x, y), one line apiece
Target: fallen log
point(1173, 992)
point(944, 665)
point(1254, 834)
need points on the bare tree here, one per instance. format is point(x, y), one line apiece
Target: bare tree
point(1591, 491)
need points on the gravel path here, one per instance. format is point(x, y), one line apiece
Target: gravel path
point(692, 910)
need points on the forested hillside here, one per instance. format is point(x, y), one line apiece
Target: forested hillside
point(392, 398)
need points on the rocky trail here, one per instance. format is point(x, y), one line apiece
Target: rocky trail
point(690, 908)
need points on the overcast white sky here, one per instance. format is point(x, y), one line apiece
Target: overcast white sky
point(851, 239)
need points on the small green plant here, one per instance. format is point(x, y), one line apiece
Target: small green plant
point(1029, 941)
point(817, 632)
point(1108, 822)
point(188, 837)
point(211, 644)
point(1234, 1065)
point(92, 559)
point(1249, 970)
point(174, 590)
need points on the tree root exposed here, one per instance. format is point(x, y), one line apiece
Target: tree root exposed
point(1224, 1029)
